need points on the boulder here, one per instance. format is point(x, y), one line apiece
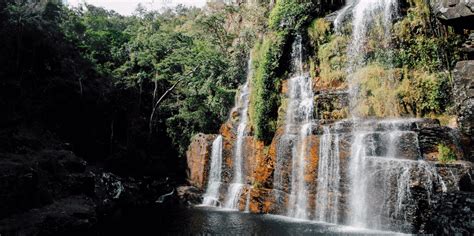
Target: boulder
point(35, 180)
point(189, 195)
point(198, 156)
point(457, 13)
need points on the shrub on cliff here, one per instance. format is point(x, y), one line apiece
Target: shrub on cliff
point(446, 154)
point(421, 93)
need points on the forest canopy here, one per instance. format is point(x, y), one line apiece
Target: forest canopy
point(149, 81)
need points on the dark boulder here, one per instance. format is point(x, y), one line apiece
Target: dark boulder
point(457, 13)
point(464, 100)
point(188, 195)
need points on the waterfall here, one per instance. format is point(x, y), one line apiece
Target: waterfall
point(211, 197)
point(298, 128)
point(247, 203)
point(327, 198)
point(382, 179)
point(341, 16)
point(235, 189)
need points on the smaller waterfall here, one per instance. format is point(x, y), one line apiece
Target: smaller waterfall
point(327, 199)
point(247, 203)
point(341, 16)
point(298, 128)
point(211, 197)
point(235, 189)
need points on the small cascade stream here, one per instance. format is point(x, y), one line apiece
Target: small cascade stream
point(366, 14)
point(211, 197)
point(242, 106)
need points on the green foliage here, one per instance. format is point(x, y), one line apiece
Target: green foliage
point(265, 95)
point(446, 154)
point(319, 31)
point(420, 52)
point(377, 96)
point(421, 93)
point(290, 15)
point(182, 65)
point(332, 61)
point(98, 33)
point(256, 185)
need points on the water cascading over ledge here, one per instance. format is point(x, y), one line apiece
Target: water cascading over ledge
point(227, 171)
point(211, 196)
point(235, 189)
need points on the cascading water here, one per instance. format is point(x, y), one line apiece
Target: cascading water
point(297, 130)
point(235, 189)
point(382, 175)
point(341, 16)
point(327, 198)
point(211, 197)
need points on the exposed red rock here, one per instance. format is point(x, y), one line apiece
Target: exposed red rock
point(198, 156)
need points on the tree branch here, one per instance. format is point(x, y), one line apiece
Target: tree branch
point(163, 97)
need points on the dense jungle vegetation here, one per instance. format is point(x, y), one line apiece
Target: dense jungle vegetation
point(127, 91)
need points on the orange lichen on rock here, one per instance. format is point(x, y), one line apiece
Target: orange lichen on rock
point(261, 200)
point(312, 160)
point(263, 171)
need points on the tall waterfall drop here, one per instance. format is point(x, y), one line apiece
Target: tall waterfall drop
point(242, 106)
point(211, 197)
point(298, 128)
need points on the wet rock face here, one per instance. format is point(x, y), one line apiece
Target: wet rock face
point(464, 99)
point(430, 136)
point(198, 155)
point(458, 13)
point(453, 213)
